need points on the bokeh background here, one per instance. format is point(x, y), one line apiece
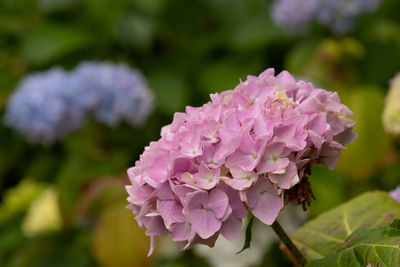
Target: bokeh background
point(63, 204)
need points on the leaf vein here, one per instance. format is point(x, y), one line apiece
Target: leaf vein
point(376, 252)
point(345, 220)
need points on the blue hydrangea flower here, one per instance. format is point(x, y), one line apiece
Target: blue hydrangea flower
point(43, 107)
point(294, 15)
point(339, 15)
point(121, 93)
point(48, 105)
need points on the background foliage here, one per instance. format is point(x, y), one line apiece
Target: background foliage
point(186, 49)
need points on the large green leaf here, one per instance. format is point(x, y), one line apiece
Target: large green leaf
point(327, 233)
point(379, 247)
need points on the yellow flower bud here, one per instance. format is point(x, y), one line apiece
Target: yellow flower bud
point(391, 112)
point(44, 214)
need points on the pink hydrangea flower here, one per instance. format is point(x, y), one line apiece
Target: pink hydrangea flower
point(241, 152)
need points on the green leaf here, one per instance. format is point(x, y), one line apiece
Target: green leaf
point(247, 241)
point(50, 41)
point(378, 246)
point(327, 233)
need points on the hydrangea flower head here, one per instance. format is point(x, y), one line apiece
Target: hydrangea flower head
point(338, 15)
point(246, 150)
point(292, 15)
point(119, 93)
point(391, 112)
point(43, 107)
point(48, 105)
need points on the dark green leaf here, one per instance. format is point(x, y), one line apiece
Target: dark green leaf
point(247, 241)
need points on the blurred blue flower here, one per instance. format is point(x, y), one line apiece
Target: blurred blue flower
point(48, 105)
point(296, 15)
point(120, 93)
point(43, 107)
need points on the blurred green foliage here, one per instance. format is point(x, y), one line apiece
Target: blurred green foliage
point(187, 50)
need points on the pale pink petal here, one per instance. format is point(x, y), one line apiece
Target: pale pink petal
point(264, 201)
point(287, 178)
point(218, 202)
point(231, 227)
point(182, 231)
point(204, 222)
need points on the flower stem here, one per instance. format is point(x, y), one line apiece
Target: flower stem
point(301, 261)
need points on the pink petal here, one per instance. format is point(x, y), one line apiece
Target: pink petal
point(264, 201)
point(242, 160)
point(207, 178)
point(152, 245)
point(238, 209)
point(182, 231)
point(164, 192)
point(218, 202)
point(196, 200)
point(171, 211)
point(286, 179)
point(204, 222)
point(272, 165)
point(268, 208)
point(231, 227)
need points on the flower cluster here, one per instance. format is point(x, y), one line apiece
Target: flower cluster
point(242, 151)
point(43, 107)
point(117, 92)
point(48, 105)
point(339, 15)
point(391, 112)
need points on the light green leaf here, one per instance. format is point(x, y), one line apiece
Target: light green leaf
point(379, 247)
point(327, 233)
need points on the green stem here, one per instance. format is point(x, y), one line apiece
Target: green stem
point(288, 243)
